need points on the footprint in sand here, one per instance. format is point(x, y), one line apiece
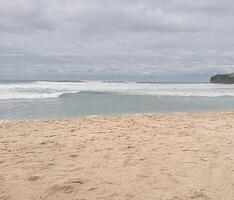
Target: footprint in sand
point(199, 195)
point(33, 178)
point(77, 181)
point(73, 155)
point(129, 196)
point(66, 189)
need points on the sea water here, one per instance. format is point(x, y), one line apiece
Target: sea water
point(58, 100)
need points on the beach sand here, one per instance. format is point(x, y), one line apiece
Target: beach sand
point(158, 157)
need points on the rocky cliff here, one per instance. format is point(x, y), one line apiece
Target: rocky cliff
point(223, 78)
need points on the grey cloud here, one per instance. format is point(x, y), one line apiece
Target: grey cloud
point(142, 37)
point(24, 16)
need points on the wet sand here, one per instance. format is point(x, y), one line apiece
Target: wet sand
point(164, 157)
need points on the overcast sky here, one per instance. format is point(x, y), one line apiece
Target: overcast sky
point(73, 38)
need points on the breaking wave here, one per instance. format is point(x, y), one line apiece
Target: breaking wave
point(45, 90)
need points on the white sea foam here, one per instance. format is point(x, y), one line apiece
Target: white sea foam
point(43, 89)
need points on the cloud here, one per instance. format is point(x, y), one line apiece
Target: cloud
point(24, 16)
point(142, 37)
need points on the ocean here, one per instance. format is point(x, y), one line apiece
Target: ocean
point(20, 100)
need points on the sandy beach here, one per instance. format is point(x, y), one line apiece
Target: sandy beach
point(164, 157)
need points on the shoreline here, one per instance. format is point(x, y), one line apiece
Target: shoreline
point(116, 116)
point(170, 157)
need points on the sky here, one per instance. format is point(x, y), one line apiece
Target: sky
point(158, 39)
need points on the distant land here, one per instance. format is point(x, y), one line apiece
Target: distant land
point(223, 78)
